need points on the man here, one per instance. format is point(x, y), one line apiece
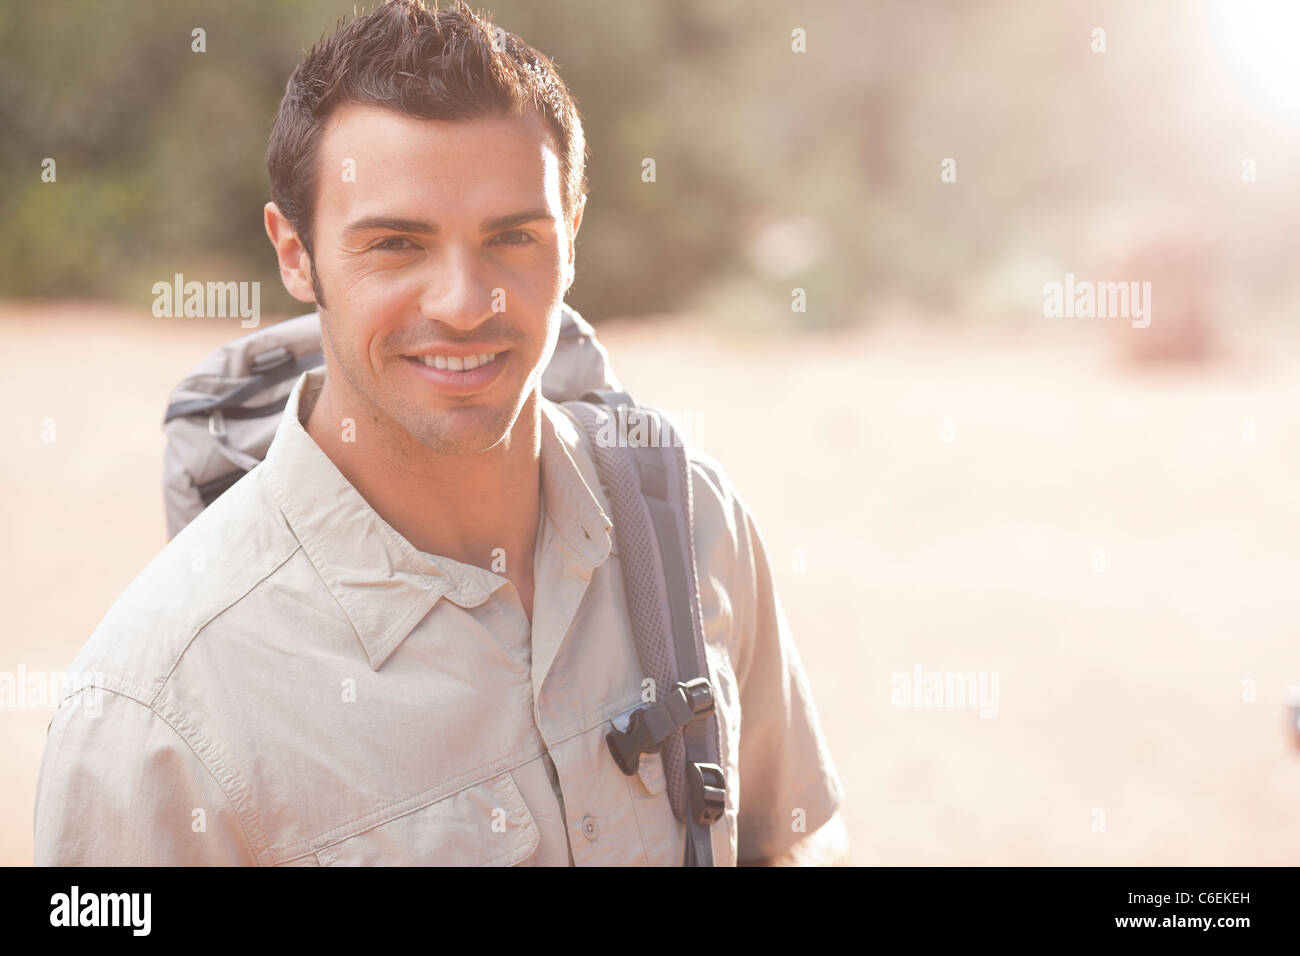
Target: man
point(345, 681)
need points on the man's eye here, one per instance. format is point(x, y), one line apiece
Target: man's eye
point(393, 244)
point(522, 238)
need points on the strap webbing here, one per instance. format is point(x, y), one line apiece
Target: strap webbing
point(250, 388)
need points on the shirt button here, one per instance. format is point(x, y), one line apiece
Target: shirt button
point(590, 829)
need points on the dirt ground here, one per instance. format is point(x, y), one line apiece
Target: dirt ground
point(1118, 547)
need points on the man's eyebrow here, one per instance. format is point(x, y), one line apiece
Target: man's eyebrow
point(420, 227)
point(392, 223)
point(515, 219)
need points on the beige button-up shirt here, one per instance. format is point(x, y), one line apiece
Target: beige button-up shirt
point(291, 682)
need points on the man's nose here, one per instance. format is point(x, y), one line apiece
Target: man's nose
point(459, 290)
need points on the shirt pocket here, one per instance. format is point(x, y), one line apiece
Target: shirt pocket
point(487, 824)
point(651, 773)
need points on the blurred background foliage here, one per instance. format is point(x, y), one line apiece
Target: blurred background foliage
point(775, 170)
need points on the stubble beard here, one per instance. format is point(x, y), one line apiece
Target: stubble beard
point(458, 429)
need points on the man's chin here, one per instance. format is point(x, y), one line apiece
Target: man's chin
point(463, 431)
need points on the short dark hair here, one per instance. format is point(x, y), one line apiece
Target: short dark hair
point(451, 64)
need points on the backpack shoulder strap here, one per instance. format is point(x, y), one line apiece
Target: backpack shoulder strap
point(649, 488)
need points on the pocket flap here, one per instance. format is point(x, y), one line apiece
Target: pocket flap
point(487, 824)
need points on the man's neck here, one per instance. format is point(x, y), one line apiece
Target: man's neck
point(463, 507)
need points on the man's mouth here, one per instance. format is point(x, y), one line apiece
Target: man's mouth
point(456, 363)
point(458, 374)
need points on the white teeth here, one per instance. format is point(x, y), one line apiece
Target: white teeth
point(457, 364)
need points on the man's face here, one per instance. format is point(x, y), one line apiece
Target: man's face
point(437, 243)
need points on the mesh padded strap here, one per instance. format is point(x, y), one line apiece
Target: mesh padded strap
point(643, 576)
point(649, 489)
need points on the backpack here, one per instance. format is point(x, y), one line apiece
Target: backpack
point(222, 417)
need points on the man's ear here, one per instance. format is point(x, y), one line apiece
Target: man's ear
point(295, 264)
point(573, 240)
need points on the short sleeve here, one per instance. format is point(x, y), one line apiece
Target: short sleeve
point(119, 787)
point(789, 786)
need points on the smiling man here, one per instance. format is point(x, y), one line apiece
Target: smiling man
point(446, 262)
point(342, 680)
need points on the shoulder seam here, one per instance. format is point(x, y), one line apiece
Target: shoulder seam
point(162, 685)
point(127, 695)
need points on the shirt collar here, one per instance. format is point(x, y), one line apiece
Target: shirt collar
point(384, 584)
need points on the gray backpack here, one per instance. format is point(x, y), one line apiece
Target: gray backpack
point(222, 417)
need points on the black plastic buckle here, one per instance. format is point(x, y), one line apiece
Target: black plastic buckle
point(708, 789)
point(699, 694)
point(649, 726)
point(645, 734)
